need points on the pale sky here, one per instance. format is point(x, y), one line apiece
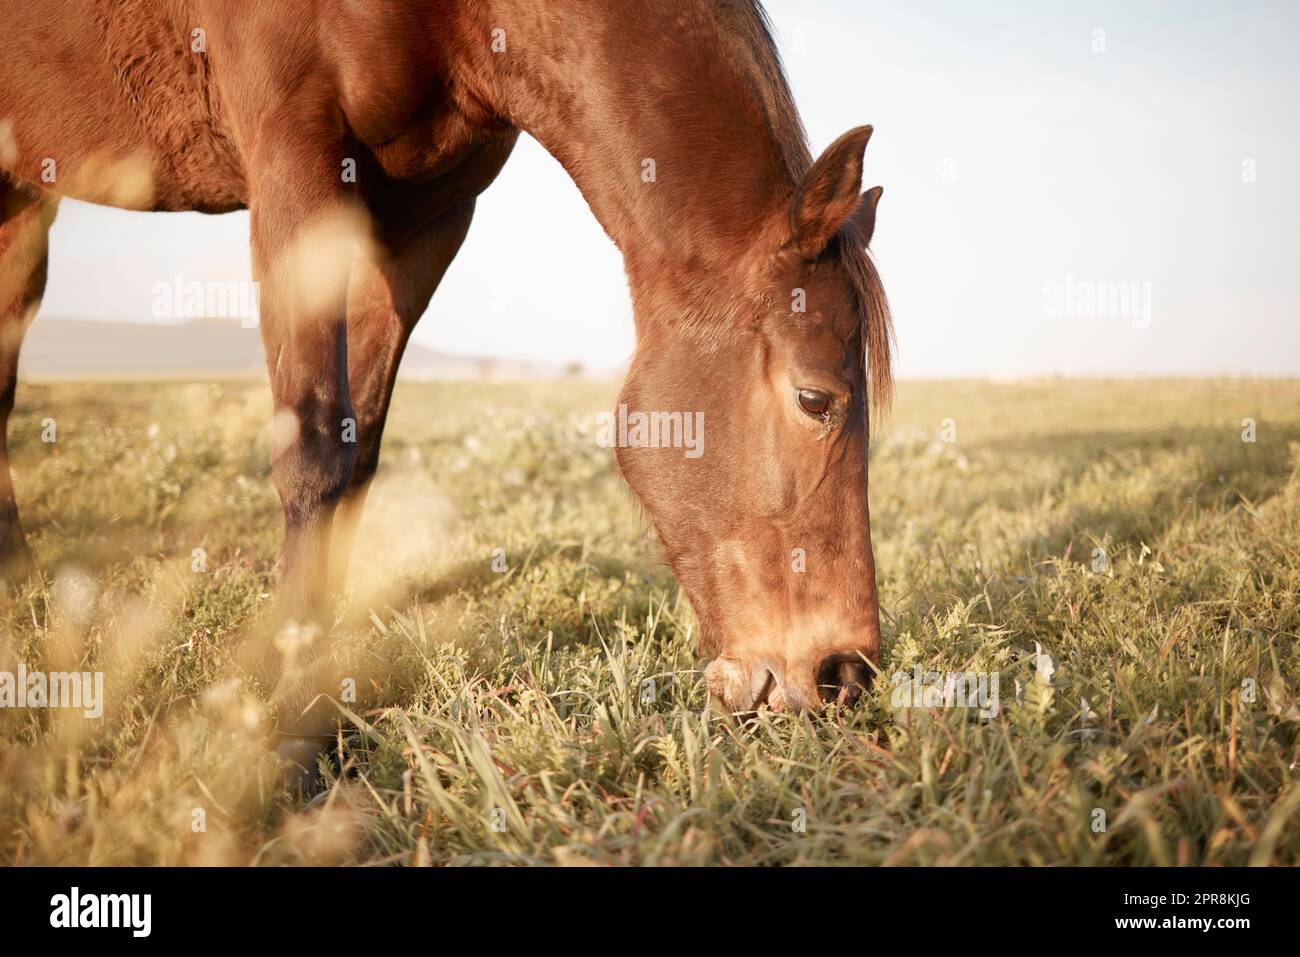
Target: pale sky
point(1016, 160)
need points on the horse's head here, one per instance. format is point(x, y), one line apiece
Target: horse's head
point(763, 513)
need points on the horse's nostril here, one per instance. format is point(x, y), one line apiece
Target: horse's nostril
point(842, 678)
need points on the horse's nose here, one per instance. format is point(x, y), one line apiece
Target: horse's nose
point(842, 678)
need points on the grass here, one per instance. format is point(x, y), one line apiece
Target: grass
point(553, 711)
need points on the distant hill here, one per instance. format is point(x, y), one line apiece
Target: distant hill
point(58, 349)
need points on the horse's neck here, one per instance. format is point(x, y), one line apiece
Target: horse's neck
point(657, 111)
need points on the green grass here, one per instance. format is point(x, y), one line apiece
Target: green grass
point(504, 717)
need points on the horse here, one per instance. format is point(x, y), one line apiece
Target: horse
point(359, 135)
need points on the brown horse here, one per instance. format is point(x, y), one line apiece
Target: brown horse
point(359, 134)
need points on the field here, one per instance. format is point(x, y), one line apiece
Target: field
point(1115, 552)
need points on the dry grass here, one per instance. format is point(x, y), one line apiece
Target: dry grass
point(506, 718)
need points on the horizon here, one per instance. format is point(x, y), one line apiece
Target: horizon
point(61, 365)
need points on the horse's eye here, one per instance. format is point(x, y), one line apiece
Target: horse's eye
point(815, 402)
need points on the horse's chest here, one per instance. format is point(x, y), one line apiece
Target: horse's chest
point(444, 159)
point(395, 93)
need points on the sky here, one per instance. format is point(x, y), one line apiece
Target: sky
point(1071, 188)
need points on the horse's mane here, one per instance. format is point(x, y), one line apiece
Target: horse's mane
point(750, 22)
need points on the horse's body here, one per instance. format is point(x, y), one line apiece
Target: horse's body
point(675, 122)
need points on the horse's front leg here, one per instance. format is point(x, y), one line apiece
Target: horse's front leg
point(392, 282)
point(304, 230)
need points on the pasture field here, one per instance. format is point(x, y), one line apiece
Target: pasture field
point(550, 710)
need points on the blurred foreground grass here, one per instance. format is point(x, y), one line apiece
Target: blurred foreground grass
point(554, 713)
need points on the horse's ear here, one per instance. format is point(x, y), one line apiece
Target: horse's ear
point(864, 217)
point(828, 196)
